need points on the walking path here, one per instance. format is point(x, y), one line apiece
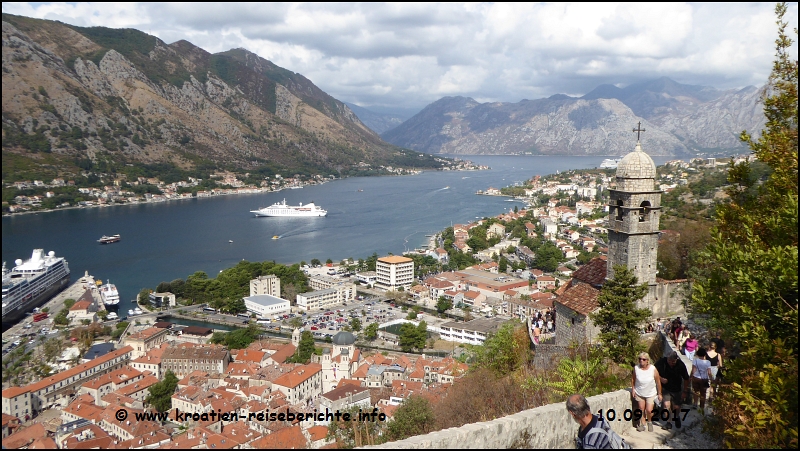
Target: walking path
point(689, 436)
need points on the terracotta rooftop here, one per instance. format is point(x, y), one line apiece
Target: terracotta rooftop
point(283, 353)
point(581, 298)
point(298, 375)
point(24, 437)
point(317, 433)
point(81, 305)
point(64, 375)
point(593, 273)
point(146, 333)
point(252, 356)
point(287, 438)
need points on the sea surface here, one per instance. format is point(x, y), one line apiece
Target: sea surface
point(366, 215)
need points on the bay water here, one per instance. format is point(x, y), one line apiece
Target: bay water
point(366, 215)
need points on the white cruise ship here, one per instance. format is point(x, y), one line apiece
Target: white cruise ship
point(280, 209)
point(31, 283)
point(110, 294)
point(609, 163)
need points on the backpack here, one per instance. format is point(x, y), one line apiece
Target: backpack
point(602, 427)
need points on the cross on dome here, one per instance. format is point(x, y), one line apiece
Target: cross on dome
point(638, 130)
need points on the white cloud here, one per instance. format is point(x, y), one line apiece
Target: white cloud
point(408, 55)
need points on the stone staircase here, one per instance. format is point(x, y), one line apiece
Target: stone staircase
point(689, 436)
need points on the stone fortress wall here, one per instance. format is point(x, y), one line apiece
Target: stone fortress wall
point(549, 426)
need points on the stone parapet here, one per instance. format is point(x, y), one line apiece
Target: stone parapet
point(548, 426)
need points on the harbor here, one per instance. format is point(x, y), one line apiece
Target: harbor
point(53, 306)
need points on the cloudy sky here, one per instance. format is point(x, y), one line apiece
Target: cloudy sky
point(408, 55)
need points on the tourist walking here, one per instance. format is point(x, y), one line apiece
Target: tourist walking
point(673, 373)
point(682, 337)
point(715, 359)
point(645, 388)
point(593, 432)
point(690, 346)
point(701, 377)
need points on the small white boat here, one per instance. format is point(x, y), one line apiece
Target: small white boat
point(112, 316)
point(230, 241)
point(131, 313)
point(137, 311)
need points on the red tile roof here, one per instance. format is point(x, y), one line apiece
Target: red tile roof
point(581, 298)
point(64, 375)
point(283, 353)
point(593, 273)
point(298, 375)
point(24, 437)
point(317, 433)
point(288, 438)
point(82, 305)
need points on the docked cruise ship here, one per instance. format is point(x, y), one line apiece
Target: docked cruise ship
point(109, 294)
point(32, 283)
point(280, 209)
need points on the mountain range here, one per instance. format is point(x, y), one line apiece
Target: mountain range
point(76, 97)
point(679, 119)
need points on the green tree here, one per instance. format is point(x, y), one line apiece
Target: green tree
point(304, 350)
point(618, 318)
point(355, 324)
point(413, 337)
point(413, 417)
point(296, 322)
point(371, 331)
point(69, 303)
point(315, 262)
point(503, 265)
point(160, 396)
point(443, 304)
point(746, 281)
point(329, 262)
point(412, 315)
point(504, 351)
point(144, 296)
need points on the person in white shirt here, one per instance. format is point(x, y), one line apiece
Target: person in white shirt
point(645, 387)
point(701, 378)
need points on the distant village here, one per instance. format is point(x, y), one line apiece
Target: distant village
point(123, 190)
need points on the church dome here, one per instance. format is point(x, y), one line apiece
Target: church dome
point(344, 339)
point(636, 165)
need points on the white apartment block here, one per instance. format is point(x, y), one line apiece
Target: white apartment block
point(327, 298)
point(394, 272)
point(270, 285)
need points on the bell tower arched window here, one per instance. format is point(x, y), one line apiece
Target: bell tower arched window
point(619, 210)
point(644, 211)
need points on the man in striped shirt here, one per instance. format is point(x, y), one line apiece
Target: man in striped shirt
point(578, 407)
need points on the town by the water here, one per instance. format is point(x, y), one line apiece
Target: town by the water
point(560, 290)
point(363, 336)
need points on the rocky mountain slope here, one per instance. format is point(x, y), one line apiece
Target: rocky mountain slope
point(679, 119)
point(109, 98)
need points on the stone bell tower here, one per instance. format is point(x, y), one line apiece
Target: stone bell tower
point(634, 211)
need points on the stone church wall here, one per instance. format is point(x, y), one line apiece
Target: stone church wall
point(665, 299)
